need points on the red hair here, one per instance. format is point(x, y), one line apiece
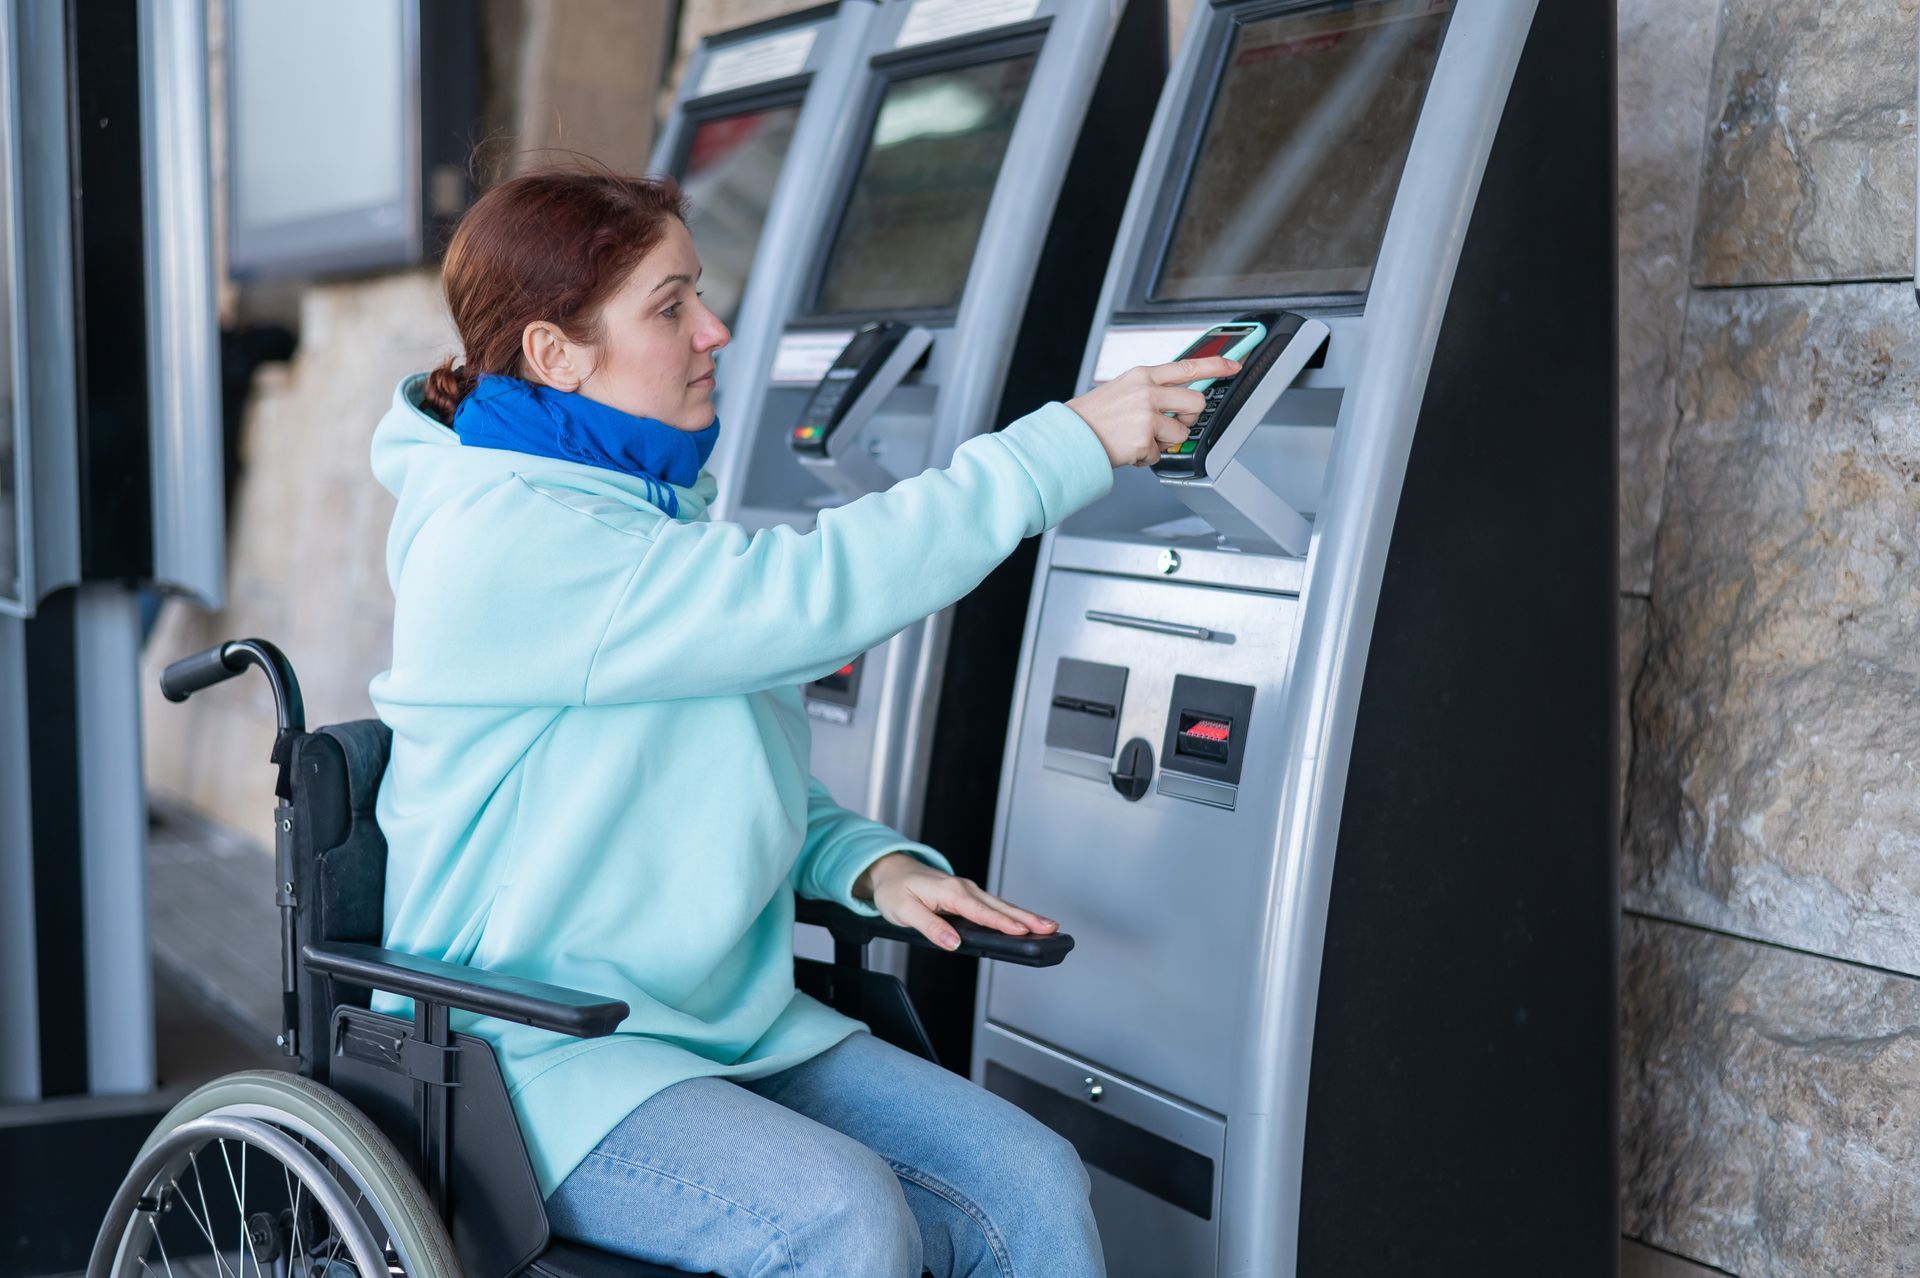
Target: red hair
point(552, 245)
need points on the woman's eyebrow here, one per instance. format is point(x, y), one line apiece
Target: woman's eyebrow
point(675, 279)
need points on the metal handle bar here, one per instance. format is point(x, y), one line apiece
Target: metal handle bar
point(1148, 623)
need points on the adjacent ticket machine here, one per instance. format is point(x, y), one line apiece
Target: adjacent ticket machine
point(955, 266)
point(110, 476)
point(1313, 748)
point(760, 112)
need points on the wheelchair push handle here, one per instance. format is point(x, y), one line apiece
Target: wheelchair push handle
point(223, 661)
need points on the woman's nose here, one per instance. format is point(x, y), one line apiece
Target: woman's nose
point(714, 335)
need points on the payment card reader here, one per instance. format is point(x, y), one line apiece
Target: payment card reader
point(867, 370)
point(1274, 349)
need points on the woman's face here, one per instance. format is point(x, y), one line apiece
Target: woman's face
point(655, 354)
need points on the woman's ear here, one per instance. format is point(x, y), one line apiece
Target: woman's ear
point(550, 358)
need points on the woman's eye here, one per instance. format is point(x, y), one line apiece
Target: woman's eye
point(672, 312)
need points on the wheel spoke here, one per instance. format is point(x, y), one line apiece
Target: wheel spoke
point(240, 1201)
point(206, 1225)
point(161, 1243)
point(350, 1213)
point(332, 1251)
point(294, 1186)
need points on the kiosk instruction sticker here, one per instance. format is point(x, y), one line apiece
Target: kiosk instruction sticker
point(802, 359)
point(1124, 348)
point(773, 57)
point(944, 19)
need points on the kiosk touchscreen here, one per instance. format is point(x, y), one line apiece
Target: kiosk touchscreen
point(729, 172)
point(956, 264)
point(1312, 739)
point(756, 119)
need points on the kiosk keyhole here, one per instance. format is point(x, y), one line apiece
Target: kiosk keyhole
point(1135, 772)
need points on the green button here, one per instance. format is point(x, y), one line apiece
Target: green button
point(1187, 447)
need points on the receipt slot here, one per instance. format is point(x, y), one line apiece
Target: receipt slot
point(1312, 740)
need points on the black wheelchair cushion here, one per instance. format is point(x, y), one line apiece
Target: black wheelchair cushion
point(339, 861)
point(337, 773)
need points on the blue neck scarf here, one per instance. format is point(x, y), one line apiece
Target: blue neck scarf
point(505, 412)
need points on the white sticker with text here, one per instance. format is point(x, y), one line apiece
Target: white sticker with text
point(773, 57)
point(944, 19)
point(804, 358)
point(1123, 348)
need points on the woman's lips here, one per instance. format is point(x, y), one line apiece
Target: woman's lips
point(705, 379)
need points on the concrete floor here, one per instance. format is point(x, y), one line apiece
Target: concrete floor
point(214, 927)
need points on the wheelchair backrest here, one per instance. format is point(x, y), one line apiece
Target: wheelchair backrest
point(339, 862)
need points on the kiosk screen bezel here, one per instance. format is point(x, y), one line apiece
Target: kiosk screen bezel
point(788, 93)
point(17, 591)
point(1005, 46)
point(1170, 199)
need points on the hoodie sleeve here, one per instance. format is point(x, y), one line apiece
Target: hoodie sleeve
point(840, 845)
point(710, 611)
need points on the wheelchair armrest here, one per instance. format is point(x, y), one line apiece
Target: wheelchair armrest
point(470, 989)
point(975, 941)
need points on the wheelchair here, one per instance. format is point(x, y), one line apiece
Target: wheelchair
point(394, 1149)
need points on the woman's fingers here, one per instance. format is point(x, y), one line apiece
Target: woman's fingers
point(974, 910)
point(1033, 922)
point(916, 915)
point(1192, 370)
point(1177, 400)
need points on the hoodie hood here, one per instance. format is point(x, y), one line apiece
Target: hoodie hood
point(425, 466)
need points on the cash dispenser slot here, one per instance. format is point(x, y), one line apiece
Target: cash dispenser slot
point(1170, 1172)
point(1083, 719)
point(1206, 740)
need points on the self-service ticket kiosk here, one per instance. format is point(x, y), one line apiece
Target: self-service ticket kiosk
point(956, 264)
point(760, 111)
point(1312, 748)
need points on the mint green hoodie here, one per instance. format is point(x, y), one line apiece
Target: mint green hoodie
point(600, 756)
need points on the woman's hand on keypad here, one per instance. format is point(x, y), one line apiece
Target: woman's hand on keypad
point(1147, 411)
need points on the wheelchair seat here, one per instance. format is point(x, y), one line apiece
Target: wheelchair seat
point(413, 1117)
point(496, 1216)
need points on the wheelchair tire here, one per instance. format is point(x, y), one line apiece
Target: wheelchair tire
point(318, 1132)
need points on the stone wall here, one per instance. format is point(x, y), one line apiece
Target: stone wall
point(1770, 510)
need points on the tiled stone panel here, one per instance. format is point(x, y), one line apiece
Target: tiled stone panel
point(1770, 1106)
point(306, 547)
point(1665, 57)
point(1635, 622)
point(1776, 777)
point(1809, 171)
point(1637, 1261)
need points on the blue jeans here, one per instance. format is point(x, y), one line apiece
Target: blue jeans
point(865, 1162)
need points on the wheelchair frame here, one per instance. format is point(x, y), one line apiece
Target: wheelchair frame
point(418, 1081)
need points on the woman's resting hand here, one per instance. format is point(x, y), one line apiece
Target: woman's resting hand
point(1145, 411)
point(910, 893)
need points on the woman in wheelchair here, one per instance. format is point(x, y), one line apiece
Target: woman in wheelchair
point(599, 773)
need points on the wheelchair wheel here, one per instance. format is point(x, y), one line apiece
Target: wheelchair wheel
point(265, 1173)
